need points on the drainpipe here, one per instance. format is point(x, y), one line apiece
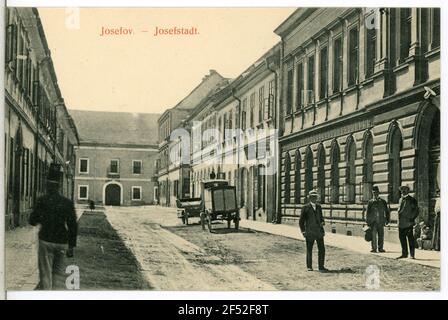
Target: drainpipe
point(276, 115)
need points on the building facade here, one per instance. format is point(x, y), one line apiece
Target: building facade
point(173, 177)
point(115, 158)
point(233, 135)
point(38, 128)
point(360, 107)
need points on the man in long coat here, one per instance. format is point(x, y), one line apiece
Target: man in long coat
point(311, 225)
point(378, 215)
point(407, 213)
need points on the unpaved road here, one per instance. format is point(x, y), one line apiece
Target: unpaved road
point(169, 262)
point(172, 256)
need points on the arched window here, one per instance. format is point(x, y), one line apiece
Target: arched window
point(367, 167)
point(297, 179)
point(321, 172)
point(351, 170)
point(334, 181)
point(308, 171)
point(395, 146)
point(287, 186)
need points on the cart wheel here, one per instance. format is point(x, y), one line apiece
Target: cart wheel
point(209, 222)
point(203, 220)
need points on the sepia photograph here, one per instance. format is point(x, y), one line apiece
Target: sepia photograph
point(222, 149)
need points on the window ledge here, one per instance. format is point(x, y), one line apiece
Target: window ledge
point(335, 95)
point(432, 52)
point(367, 82)
point(404, 66)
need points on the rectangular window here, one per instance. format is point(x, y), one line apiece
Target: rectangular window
point(83, 192)
point(311, 79)
point(252, 107)
point(244, 114)
point(114, 166)
point(405, 32)
point(370, 51)
point(337, 65)
point(260, 104)
point(289, 90)
point(435, 28)
point(136, 166)
point(83, 165)
point(300, 79)
point(270, 108)
point(353, 57)
point(136, 193)
point(323, 70)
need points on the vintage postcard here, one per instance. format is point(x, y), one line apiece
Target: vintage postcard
point(222, 149)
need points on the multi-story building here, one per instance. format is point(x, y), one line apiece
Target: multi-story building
point(360, 107)
point(233, 136)
point(115, 157)
point(38, 128)
point(172, 175)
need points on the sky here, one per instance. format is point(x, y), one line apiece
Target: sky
point(147, 73)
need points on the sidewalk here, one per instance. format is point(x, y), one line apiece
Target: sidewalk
point(21, 258)
point(356, 244)
point(21, 246)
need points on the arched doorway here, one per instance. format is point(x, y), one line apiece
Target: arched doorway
point(112, 194)
point(428, 161)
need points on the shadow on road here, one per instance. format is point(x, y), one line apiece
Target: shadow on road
point(342, 270)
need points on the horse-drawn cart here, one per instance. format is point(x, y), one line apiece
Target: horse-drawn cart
point(188, 207)
point(219, 203)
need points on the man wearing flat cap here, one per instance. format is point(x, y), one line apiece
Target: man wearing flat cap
point(378, 215)
point(311, 225)
point(58, 227)
point(407, 213)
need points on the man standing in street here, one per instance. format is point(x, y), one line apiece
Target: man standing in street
point(378, 215)
point(407, 213)
point(311, 225)
point(57, 218)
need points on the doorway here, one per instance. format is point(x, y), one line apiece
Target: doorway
point(113, 195)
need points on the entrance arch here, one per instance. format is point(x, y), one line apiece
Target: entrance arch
point(427, 145)
point(113, 194)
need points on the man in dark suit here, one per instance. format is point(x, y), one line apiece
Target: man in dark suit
point(311, 225)
point(378, 215)
point(58, 227)
point(407, 213)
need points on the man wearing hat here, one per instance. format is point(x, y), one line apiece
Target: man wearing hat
point(311, 225)
point(58, 227)
point(378, 215)
point(407, 213)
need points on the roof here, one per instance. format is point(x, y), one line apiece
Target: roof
point(116, 128)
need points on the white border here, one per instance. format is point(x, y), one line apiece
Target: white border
point(79, 191)
point(132, 193)
point(88, 166)
point(104, 191)
point(118, 166)
point(141, 167)
point(443, 294)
